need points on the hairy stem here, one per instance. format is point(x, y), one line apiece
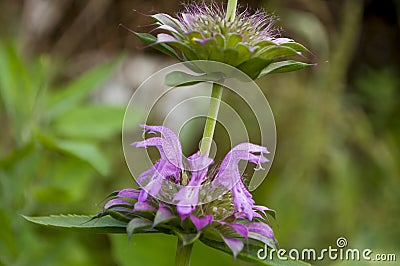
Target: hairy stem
point(211, 121)
point(183, 253)
point(231, 10)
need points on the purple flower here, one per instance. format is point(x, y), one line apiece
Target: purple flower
point(232, 217)
point(250, 43)
point(168, 167)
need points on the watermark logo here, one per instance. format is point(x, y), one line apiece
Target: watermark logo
point(339, 252)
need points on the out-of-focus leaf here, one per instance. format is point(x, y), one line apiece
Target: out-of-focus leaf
point(13, 81)
point(283, 66)
point(86, 152)
point(104, 224)
point(19, 89)
point(95, 121)
point(64, 181)
point(82, 150)
point(141, 249)
point(65, 99)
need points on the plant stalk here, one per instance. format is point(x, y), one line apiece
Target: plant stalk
point(183, 254)
point(231, 10)
point(211, 121)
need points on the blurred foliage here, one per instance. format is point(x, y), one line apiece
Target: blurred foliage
point(50, 155)
point(337, 167)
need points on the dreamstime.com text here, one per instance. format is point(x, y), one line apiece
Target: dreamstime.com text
point(340, 252)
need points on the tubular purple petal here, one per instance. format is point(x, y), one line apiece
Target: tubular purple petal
point(143, 206)
point(187, 197)
point(229, 175)
point(129, 193)
point(261, 228)
point(116, 202)
point(236, 245)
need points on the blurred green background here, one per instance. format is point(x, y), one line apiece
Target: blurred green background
point(67, 72)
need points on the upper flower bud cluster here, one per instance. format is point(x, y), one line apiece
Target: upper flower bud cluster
point(250, 42)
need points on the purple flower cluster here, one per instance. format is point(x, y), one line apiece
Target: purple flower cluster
point(251, 42)
point(209, 19)
point(234, 209)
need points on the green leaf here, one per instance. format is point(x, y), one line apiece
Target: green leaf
point(86, 152)
point(220, 39)
point(163, 215)
point(187, 238)
point(179, 78)
point(277, 51)
point(66, 98)
point(283, 66)
point(82, 150)
point(12, 79)
point(296, 46)
point(20, 87)
point(149, 39)
point(64, 181)
point(265, 43)
point(244, 53)
point(254, 66)
point(137, 225)
point(233, 40)
point(163, 38)
point(104, 224)
point(230, 56)
point(94, 121)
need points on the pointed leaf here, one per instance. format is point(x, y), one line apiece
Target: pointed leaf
point(186, 238)
point(136, 225)
point(235, 245)
point(151, 40)
point(168, 20)
point(163, 38)
point(260, 237)
point(233, 40)
point(284, 66)
point(163, 215)
point(179, 78)
point(277, 51)
point(296, 46)
point(254, 66)
point(104, 224)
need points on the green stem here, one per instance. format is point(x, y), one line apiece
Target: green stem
point(211, 121)
point(231, 10)
point(183, 253)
